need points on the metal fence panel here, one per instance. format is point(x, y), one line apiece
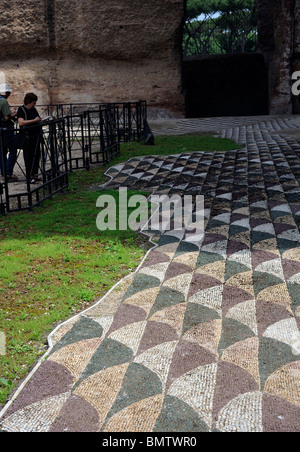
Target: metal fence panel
point(51, 175)
point(75, 138)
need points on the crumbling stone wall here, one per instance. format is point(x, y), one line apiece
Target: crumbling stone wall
point(94, 51)
point(279, 42)
point(99, 51)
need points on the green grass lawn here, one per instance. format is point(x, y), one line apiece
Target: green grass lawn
point(55, 263)
point(178, 144)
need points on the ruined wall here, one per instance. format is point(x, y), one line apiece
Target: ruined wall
point(122, 50)
point(94, 51)
point(279, 42)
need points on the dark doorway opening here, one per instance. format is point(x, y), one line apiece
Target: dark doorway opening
point(223, 75)
point(225, 85)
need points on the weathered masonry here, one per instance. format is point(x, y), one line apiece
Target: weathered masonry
point(94, 51)
point(279, 42)
point(97, 51)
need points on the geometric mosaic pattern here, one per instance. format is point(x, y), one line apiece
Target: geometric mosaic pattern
point(202, 337)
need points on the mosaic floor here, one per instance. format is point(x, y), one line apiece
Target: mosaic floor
point(205, 336)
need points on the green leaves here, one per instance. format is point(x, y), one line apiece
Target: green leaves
point(5, 382)
point(220, 26)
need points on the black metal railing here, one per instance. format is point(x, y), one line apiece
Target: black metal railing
point(74, 138)
point(44, 170)
point(92, 138)
point(128, 116)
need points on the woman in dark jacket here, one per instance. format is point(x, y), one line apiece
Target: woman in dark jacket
point(28, 118)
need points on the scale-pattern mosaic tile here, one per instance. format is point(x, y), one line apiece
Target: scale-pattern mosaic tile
point(205, 336)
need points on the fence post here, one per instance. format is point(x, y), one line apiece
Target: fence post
point(88, 146)
point(139, 120)
point(4, 184)
point(43, 157)
point(117, 112)
point(65, 151)
point(116, 122)
point(85, 146)
point(82, 138)
point(52, 151)
point(102, 140)
point(4, 161)
point(69, 145)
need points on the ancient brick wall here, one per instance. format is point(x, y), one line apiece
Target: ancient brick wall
point(279, 41)
point(99, 51)
point(90, 51)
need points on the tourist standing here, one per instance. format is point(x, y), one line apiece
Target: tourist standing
point(29, 118)
point(8, 143)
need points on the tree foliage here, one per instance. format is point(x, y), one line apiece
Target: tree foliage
point(197, 7)
point(220, 26)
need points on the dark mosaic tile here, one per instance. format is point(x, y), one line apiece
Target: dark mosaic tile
point(50, 379)
point(167, 297)
point(269, 313)
point(233, 332)
point(139, 383)
point(279, 416)
point(141, 282)
point(233, 296)
point(188, 356)
point(263, 281)
point(84, 328)
point(109, 353)
point(77, 416)
point(156, 333)
point(197, 314)
point(234, 268)
point(272, 356)
point(126, 315)
point(177, 416)
point(232, 381)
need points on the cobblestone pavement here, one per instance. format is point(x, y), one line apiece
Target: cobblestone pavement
point(204, 336)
